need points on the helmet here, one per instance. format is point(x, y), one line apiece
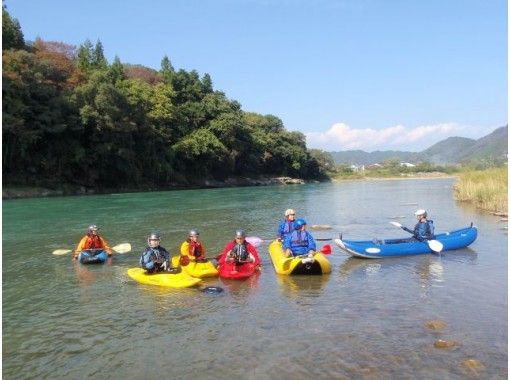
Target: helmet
point(289, 211)
point(421, 212)
point(299, 223)
point(240, 233)
point(193, 232)
point(93, 227)
point(154, 239)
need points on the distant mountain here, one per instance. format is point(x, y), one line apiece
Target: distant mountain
point(494, 145)
point(452, 150)
point(448, 151)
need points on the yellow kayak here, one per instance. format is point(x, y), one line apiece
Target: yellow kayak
point(194, 269)
point(171, 280)
point(318, 264)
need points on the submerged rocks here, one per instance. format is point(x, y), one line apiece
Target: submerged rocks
point(440, 343)
point(435, 325)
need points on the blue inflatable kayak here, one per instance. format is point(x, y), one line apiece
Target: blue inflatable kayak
point(376, 249)
point(92, 257)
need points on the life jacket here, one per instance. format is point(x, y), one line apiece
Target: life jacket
point(240, 252)
point(299, 239)
point(424, 230)
point(93, 241)
point(288, 227)
point(195, 248)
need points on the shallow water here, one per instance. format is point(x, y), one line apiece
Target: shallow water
point(367, 319)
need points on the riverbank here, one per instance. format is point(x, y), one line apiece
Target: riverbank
point(17, 192)
point(419, 175)
point(486, 189)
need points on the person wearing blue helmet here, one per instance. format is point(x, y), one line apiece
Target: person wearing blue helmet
point(300, 241)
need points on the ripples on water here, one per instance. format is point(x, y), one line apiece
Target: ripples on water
point(367, 319)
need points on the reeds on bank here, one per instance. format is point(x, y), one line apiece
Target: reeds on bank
point(487, 189)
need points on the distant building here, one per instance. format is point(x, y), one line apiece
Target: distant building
point(407, 164)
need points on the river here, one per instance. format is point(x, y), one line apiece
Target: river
point(368, 319)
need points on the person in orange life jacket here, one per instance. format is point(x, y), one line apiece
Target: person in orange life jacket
point(92, 243)
point(239, 251)
point(193, 247)
point(424, 229)
point(287, 226)
point(155, 258)
point(299, 242)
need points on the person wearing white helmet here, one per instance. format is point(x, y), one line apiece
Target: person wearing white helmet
point(92, 243)
point(424, 229)
point(287, 226)
point(193, 247)
point(155, 258)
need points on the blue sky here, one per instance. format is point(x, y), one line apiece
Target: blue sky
point(357, 74)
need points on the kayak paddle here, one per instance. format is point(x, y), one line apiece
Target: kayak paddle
point(434, 245)
point(120, 248)
point(256, 241)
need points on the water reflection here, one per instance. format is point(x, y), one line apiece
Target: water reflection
point(365, 267)
point(86, 274)
point(302, 286)
point(242, 288)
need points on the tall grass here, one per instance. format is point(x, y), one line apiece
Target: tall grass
point(487, 189)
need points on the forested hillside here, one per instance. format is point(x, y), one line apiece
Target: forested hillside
point(72, 118)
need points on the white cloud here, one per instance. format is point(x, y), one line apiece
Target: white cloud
point(342, 137)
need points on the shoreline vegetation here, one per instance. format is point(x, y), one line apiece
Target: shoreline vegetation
point(486, 189)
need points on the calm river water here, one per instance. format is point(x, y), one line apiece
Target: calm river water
point(366, 320)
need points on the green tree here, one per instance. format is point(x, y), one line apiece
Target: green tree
point(12, 36)
point(98, 60)
point(116, 71)
point(84, 57)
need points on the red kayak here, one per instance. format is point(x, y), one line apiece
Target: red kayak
point(236, 271)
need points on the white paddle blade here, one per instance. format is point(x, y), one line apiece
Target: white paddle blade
point(396, 224)
point(319, 227)
point(122, 248)
point(254, 240)
point(60, 252)
point(435, 245)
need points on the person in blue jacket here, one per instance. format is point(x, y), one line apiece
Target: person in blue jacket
point(287, 226)
point(424, 229)
point(300, 241)
point(155, 258)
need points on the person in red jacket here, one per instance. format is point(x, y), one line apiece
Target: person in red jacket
point(239, 251)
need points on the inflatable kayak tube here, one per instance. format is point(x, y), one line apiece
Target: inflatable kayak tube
point(236, 271)
point(319, 264)
point(170, 280)
point(194, 269)
point(85, 257)
point(376, 249)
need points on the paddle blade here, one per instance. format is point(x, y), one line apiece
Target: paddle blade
point(319, 227)
point(396, 224)
point(435, 245)
point(122, 248)
point(184, 261)
point(326, 250)
point(60, 252)
point(254, 240)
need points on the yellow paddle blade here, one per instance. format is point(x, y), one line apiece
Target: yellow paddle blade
point(122, 248)
point(60, 252)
